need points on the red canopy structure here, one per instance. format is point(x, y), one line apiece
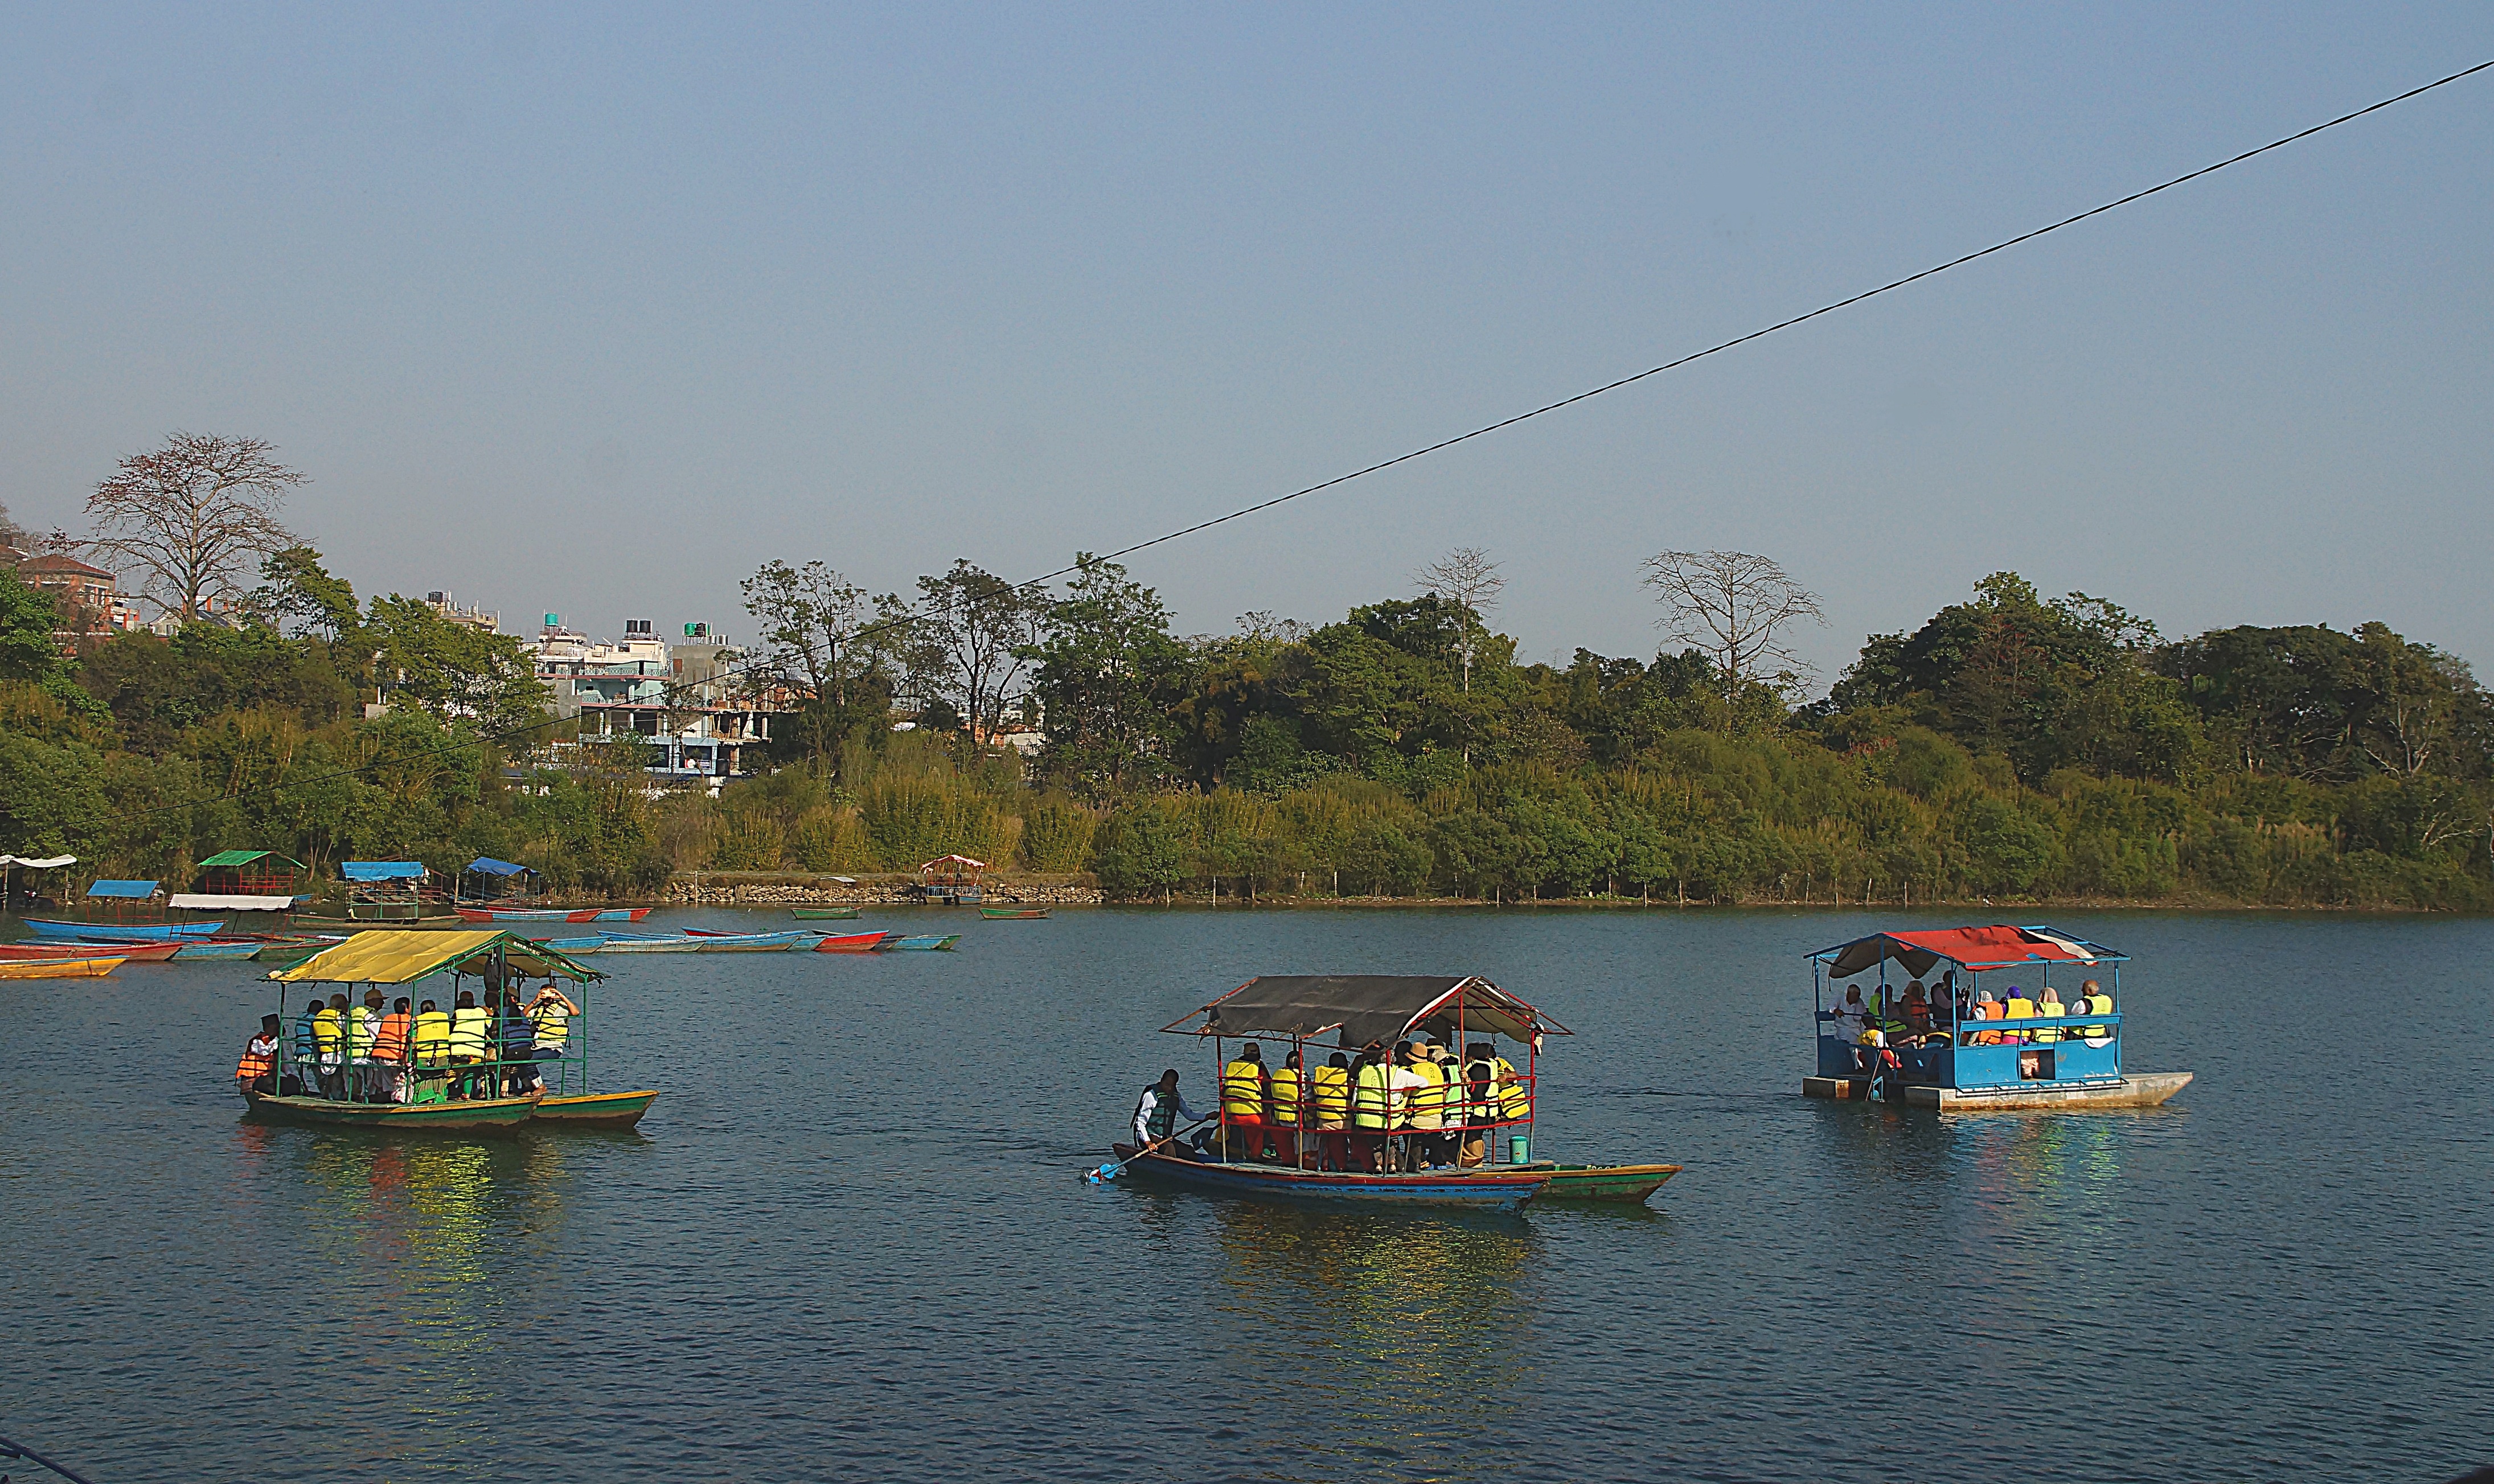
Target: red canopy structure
point(1998, 947)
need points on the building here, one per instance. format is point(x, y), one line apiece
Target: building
point(91, 605)
point(687, 699)
point(473, 617)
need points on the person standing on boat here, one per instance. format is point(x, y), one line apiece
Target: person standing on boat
point(1160, 1111)
point(1242, 1105)
point(257, 1068)
point(1329, 1112)
point(471, 1027)
point(1282, 1111)
point(1372, 1107)
point(390, 1053)
point(551, 1013)
point(1852, 1019)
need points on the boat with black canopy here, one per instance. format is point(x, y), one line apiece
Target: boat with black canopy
point(1980, 1023)
point(1365, 1145)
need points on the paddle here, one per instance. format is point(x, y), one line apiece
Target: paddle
point(1108, 1172)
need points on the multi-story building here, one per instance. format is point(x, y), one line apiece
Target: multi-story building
point(687, 699)
point(91, 606)
point(474, 617)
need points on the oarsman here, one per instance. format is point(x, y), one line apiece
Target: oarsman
point(1242, 1105)
point(1160, 1113)
point(256, 1071)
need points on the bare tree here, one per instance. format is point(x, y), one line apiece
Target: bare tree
point(1466, 575)
point(1736, 607)
point(193, 513)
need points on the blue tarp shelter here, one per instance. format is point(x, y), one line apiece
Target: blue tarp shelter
point(493, 867)
point(381, 870)
point(134, 891)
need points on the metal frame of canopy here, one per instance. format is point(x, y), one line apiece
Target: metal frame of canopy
point(384, 887)
point(1386, 1009)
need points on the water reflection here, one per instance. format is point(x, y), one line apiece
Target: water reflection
point(1372, 1336)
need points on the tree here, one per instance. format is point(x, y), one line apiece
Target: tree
point(1102, 671)
point(810, 619)
point(979, 630)
point(1737, 607)
point(191, 513)
point(1468, 576)
point(296, 588)
point(28, 617)
point(454, 670)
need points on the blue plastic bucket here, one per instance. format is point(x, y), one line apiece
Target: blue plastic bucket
point(1520, 1149)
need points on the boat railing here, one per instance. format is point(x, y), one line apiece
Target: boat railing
point(407, 1077)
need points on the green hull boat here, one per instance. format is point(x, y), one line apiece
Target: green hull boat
point(592, 1110)
point(1606, 1182)
point(483, 1115)
point(822, 914)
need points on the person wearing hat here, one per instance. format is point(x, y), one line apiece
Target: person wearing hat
point(1242, 1105)
point(256, 1071)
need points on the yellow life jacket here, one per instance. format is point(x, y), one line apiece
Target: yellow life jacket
point(1242, 1089)
point(362, 1026)
point(552, 1023)
point(1286, 1096)
point(326, 1033)
point(2048, 1009)
point(2020, 1008)
point(1428, 1110)
point(1372, 1097)
point(1507, 1090)
point(433, 1039)
point(469, 1028)
point(2096, 1005)
point(1328, 1095)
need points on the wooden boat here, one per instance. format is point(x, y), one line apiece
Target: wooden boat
point(927, 942)
point(593, 1110)
point(851, 943)
point(1952, 1046)
point(1013, 914)
point(553, 914)
point(135, 952)
point(112, 932)
point(60, 968)
point(752, 941)
point(248, 948)
point(294, 950)
point(1606, 1182)
point(1496, 1187)
point(822, 914)
point(481, 1115)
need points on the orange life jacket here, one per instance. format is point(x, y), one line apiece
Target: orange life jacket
point(253, 1065)
point(390, 1045)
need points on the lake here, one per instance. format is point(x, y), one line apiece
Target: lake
point(851, 1241)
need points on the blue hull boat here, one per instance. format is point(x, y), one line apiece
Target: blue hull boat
point(190, 950)
point(925, 941)
point(1490, 1188)
point(134, 932)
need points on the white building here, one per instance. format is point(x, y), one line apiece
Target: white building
point(686, 698)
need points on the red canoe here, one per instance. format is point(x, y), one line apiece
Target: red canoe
point(851, 943)
point(135, 952)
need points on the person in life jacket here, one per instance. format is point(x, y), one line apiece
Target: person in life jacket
point(430, 1050)
point(1442, 1101)
point(390, 1053)
point(470, 1030)
point(2018, 1007)
point(1480, 1107)
point(1985, 1007)
point(1508, 1091)
point(518, 1039)
point(2092, 1001)
point(1372, 1106)
point(2050, 1006)
point(1242, 1105)
point(1329, 1112)
point(329, 1030)
point(551, 1013)
point(256, 1071)
point(363, 1028)
point(1284, 1113)
point(1160, 1113)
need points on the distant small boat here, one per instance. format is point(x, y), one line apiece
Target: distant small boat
point(632, 943)
point(61, 968)
point(245, 950)
point(554, 914)
point(822, 914)
point(112, 932)
point(928, 941)
point(1013, 914)
point(1606, 1182)
point(754, 942)
point(135, 952)
point(851, 943)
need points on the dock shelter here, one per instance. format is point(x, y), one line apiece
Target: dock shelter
point(249, 874)
point(378, 890)
point(495, 881)
point(9, 865)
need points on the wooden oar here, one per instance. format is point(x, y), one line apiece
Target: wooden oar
point(1108, 1172)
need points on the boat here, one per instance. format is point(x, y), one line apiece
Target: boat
point(758, 942)
point(61, 968)
point(1630, 1183)
point(134, 953)
point(822, 914)
point(1951, 1045)
point(293, 950)
point(593, 1110)
point(1361, 1012)
point(951, 881)
point(553, 914)
point(390, 957)
point(929, 942)
point(1013, 914)
point(851, 943)
point(135, 933)
point(244, 949)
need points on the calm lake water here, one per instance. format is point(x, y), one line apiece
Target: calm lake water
point(851, 1243)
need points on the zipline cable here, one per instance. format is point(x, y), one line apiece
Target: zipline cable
point(886, 624)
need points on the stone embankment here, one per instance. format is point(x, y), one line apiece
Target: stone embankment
point(758, 889)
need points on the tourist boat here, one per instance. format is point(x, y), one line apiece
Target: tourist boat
point(822, 914)
point(851, 943)
point(60, 968)
point(1933, 1049)
point(553, 914)
point(1358, 1010)
point(134, 953)
point(951, 881)
point(1013, 914)
point(135, 933)
point(1629, 1183)
point(926, 941)
point(388, 956)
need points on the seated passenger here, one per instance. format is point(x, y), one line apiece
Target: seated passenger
point(2093, 1001)
point(1984, 1008)
point(2019, 1008)
point(1851, 1019)
point(1918, 1011)
point(2049, 1004)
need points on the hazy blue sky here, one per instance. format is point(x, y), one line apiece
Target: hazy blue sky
point(594, 310)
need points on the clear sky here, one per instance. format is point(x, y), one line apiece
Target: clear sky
point(593, 310)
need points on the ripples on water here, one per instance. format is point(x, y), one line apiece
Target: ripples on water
point(851, 1243)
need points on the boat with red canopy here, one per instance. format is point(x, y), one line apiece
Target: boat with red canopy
point(1979, 1022)
point(1369, 1151)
